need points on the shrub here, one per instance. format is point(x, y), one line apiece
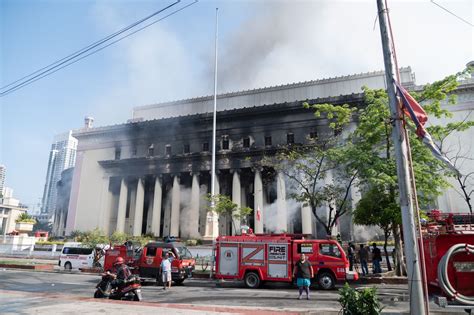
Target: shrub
point(359, 302)
point(25, 218)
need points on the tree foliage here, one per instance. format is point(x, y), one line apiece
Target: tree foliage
point(321, 175)
point(373, 151)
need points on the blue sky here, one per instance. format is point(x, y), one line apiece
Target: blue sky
point(262, 43)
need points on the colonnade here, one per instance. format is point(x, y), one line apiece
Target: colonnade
point(131, 204)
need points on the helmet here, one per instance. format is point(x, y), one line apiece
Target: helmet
point(118, 261)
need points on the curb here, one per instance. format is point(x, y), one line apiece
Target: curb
point(29, 267)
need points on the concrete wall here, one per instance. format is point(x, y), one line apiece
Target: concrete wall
point(271, 95)
point(459, 143)
point(89, 192)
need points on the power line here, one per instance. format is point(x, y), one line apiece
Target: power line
point(95, 44)
point(457, 16)
point(77, 53)
point(68, 60)
point(93, 52)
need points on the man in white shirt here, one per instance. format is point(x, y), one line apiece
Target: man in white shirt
point(166, 270)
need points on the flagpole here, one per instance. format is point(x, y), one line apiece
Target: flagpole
point(213, 163)
point(412, 174)
point(417, 305)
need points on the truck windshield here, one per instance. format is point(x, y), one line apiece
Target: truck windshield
point(183, 252)
point(329, 250)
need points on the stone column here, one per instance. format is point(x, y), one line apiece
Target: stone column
point(212, 220)
point(306, 219)
point(105, 206)
point(139, 204)
point(156, 216)
point(282, 215)
point(122, 206)
point(194, 207)
point(175, 207)
point(236, 198)
point(258, 202)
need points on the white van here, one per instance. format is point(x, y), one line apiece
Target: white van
point(74, 256)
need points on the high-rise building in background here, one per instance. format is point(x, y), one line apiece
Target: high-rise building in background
point(62, 156)
point(3, 171)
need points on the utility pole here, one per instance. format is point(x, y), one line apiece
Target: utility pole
point(415, 285)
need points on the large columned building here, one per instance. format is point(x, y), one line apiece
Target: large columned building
point(152, 174)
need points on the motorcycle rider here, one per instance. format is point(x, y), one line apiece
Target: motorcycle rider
point(122, 272)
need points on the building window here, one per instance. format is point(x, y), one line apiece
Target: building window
point(151, 150)
point(118, 151)
point(186, 149)
point(225, 142)
point(246, 143)
point(268, 141)
point(313, 135)
point(168, 149)
point(205, 146)
point(290, 138)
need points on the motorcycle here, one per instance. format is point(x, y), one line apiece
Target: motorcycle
point(130, 290)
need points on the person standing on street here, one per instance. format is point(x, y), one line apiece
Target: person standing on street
point(303, 272)
point(376, 258)
point(165, 268)
point(351, 256)
point(363, 258)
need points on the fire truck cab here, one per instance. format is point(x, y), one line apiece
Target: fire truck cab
point(259, 258)
point(146, 261)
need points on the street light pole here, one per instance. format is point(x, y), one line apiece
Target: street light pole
point(415, 284)
point(213, 163)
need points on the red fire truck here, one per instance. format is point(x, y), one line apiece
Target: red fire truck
point(146, 261)
point(448, 241)
point(258, 258)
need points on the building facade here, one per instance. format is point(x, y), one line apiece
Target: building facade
point(459, 147)
point(61, 156)
point(151, 175)
point(3, 173)
point(62, 203)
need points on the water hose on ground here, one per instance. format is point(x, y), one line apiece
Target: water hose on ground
point(443, 273)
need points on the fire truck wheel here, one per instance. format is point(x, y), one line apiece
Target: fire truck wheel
point(67, 266)
point(179, 281)
point(252, 280)
point(326, 280)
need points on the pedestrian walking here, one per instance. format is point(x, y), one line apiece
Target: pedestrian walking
point(303, 272)
point(351, 256)
point(165, 268)
point(376, 258)
point(363, 258)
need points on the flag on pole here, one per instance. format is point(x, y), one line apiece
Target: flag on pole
point(258, 213)
point(418, 115)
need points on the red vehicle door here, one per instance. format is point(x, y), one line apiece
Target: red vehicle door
point(150, 261)
point(332, 257)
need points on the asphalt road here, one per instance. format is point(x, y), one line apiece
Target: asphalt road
point(27, 292)
point(23, 292)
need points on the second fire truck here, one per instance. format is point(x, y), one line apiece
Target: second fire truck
point(257, 258)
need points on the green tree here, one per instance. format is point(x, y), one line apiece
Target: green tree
point(43, 226)
point(320, 174)
point(383, 213)
point(373, 152)
point(227, 210)
point(25, 218)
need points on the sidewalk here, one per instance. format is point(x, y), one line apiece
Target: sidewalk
point(15, 302)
